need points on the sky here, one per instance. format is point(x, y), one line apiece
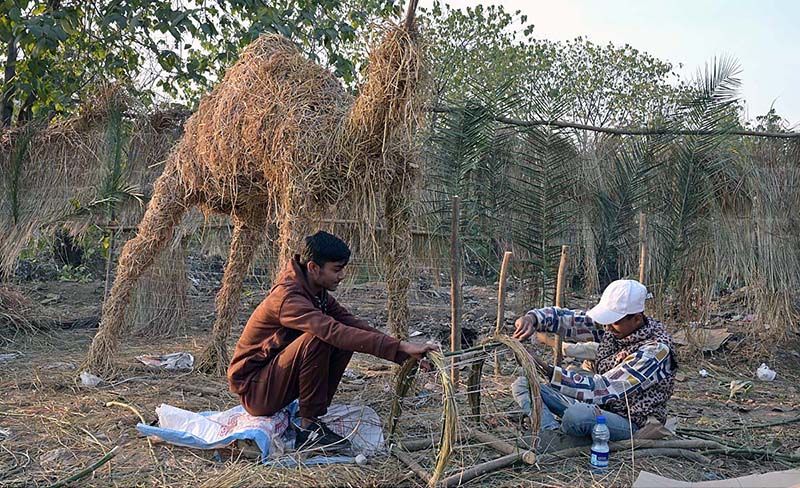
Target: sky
point(763, 35)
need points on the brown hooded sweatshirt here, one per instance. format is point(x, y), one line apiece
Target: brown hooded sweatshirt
point(289, 311)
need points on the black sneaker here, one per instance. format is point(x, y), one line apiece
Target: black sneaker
point(318, 436)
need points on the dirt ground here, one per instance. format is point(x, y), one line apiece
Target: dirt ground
point(51, 426)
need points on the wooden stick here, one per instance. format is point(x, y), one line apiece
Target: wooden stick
point(558, 354)
point(412, 465)
point(672, 452)
point(642, 246)
point(501, 303)
point(455, 288)
point(87, 471)
point(638, 444)
point(529, 457)
point(479, 469)
point(562, 271)
point(416, 445)
point(644, 131)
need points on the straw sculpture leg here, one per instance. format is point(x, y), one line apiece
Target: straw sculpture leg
point(164, 212)
point(247, 237)
point(398, 256)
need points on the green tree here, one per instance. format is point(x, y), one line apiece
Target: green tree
point(55, 48)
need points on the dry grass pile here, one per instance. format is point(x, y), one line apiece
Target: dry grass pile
point(19, 315)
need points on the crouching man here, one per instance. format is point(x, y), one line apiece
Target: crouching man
point(299, 341)
point(635, 367)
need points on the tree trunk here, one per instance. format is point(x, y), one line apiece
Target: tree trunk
point(8, 94)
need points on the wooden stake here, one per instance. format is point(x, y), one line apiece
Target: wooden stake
point(500, 445)
point(455, 289)
point(558, 355)
point(479, 469)
point(562, 271)
point(501, 304)
point(642, 246)
point(412, 465)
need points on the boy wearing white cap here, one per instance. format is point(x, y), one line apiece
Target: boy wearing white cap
point(635, 366)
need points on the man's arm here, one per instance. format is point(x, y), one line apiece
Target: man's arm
point(297, 312)
point(344, 316)
point(571, 325)
point(640, 370)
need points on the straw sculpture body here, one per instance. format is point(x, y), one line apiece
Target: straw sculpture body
point(280, 141)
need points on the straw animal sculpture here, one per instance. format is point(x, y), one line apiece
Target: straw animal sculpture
point(280, 141)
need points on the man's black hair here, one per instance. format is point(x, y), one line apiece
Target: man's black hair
point(324, 248)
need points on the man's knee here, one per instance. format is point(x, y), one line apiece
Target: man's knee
point(313, 346)
point(578, 419)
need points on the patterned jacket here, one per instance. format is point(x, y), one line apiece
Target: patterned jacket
point(640, 366)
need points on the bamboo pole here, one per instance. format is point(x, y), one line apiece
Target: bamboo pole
point(412, 465)
point(455, 288)
point(480, 469)
point(642, 246)
point(529, 457)
point(501, 303)
point(558, 354)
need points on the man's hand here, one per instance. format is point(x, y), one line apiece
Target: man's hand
point(524, 327)
point(417, 350)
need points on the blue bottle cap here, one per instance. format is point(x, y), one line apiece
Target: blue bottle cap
point(600, 419)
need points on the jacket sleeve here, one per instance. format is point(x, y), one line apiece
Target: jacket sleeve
point(344, 316)
point(640, 370)
point(296, 312)
point(573, 326)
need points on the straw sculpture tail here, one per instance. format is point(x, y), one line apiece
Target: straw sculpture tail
point(281, 142)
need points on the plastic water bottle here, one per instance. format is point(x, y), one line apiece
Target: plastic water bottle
point(600, 437)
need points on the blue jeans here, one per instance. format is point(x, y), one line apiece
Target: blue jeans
point(577, 418)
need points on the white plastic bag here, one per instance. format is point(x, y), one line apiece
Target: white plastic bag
point(764, 373)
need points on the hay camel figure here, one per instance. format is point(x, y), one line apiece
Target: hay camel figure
point(280, 141)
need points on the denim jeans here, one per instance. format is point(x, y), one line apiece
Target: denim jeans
point(577, 418)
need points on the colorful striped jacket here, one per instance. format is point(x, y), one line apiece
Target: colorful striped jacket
point(640, 366)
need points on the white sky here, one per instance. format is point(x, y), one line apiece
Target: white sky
point(763, 35)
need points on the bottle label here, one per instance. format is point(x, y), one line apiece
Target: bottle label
point(599, 459)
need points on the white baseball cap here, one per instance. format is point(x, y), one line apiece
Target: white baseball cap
point(620, 298)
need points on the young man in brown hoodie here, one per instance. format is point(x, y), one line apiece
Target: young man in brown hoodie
point(299, 341)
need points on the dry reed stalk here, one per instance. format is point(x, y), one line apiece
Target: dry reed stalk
point(525, 361)
point(159, 304)
point(449, 417)
point(404, 381)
